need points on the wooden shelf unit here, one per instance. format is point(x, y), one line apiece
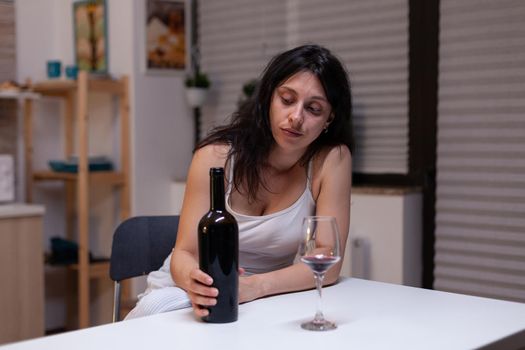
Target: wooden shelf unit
point(75, 95)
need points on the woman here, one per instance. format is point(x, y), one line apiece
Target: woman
point(287, 155)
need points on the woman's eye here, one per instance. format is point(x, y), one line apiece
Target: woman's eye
point(286, 101)
point(315, 110)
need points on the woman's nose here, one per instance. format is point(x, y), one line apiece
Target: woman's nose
point(295, 117)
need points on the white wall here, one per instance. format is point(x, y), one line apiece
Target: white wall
point(161, 122)
point(163, 130)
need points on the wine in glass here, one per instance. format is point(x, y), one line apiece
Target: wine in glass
point(319, 250)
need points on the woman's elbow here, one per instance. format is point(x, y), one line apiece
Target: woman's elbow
point(332, 276)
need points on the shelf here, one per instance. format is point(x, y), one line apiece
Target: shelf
point(54, 86)
point(63, 86)
point(18, 95)
point(99, 269)
point(108, 177)
point(106, 85)
point(96, 269)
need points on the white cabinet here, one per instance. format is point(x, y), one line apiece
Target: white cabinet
point(21, 272)
point(385, 238)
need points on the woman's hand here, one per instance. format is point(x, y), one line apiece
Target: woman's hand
point(201, 293)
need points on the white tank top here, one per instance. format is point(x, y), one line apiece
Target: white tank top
point(270, 242)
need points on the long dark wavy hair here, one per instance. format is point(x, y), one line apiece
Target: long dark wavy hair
point(249, 132)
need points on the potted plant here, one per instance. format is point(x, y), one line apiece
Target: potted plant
point(197, 89)
point(248, 89)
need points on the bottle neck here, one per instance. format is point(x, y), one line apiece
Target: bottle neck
point(217, 192)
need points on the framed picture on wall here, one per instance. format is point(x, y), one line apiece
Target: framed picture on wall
point(167, 36)
point(90, 34)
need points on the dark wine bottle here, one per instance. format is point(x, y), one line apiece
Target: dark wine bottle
point(219, 252)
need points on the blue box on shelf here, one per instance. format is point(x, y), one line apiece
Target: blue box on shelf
point(98, 163)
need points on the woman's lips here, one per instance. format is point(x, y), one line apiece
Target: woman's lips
point(291, 132)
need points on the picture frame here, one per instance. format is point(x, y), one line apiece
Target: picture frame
point(167, 37)
point(91, 36)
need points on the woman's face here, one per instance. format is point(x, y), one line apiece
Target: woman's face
point(299, 111)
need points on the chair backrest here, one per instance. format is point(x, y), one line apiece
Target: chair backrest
point(140, 245)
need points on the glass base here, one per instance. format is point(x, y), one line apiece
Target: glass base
point(321, 326)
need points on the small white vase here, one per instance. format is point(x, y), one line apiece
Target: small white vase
point(196, 96)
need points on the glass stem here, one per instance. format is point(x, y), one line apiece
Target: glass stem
point(319, 278)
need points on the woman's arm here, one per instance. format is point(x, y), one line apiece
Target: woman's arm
point(333, 178)
point(184, 262)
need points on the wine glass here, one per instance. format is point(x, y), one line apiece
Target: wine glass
point(319, 250)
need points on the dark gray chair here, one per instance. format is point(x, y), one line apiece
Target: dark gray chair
point(140, 245)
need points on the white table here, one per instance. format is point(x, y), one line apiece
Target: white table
point(370, 315)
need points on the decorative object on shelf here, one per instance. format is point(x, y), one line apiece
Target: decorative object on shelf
point(12, 89)
point(167, 36)
point(72, 72)
point(197, 89)
point(90, 31)
point(9, 86)
point(65, 252)
point(196, 94)
point(248, 89)
point(54, 69)
point(97, 163)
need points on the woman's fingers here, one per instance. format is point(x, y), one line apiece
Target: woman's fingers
point(200, 304)
point(201, 293)
point(202, 300)
point(200, 311)
point(200, 283)
point(200, 289)
point(199, 275)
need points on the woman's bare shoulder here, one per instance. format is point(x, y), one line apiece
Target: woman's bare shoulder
point(329, 162)
point(332, 156)
point(213, 155)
